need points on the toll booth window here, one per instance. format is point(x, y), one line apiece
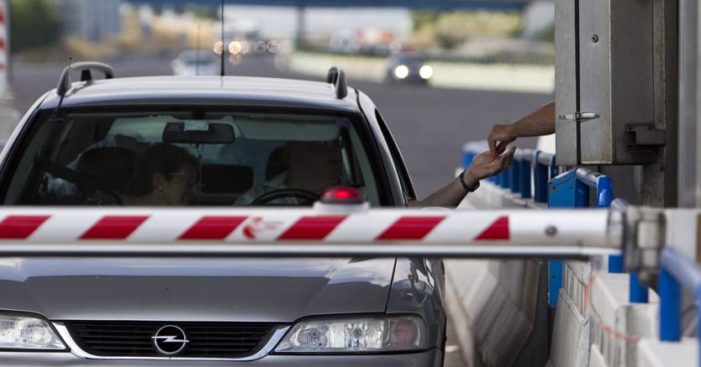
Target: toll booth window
point(187, 158)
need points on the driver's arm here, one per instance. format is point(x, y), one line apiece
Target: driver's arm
point(483, 165)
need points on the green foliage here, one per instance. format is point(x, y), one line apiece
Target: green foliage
point(421, 19)
point(547, 35)
point(33, 24)
point(205, 12)
point(452, 29)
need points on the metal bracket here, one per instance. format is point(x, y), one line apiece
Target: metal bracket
point(644, 135)
point(579, 116)
point(643, 239)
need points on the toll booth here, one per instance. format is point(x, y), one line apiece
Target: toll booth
point(627, 115)
point(617, 92)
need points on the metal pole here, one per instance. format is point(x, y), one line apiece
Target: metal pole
point(301, 24)
point(637, 292)
point(670, 307)
point(540, 179)
point(298, 249)
point(223, 43)
point(526, 177)
point(515, 177)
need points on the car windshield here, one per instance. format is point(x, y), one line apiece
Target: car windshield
point(187, 158)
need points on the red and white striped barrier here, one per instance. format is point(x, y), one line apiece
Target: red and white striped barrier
point(212, 230)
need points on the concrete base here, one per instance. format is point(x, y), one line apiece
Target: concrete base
point(652, 353)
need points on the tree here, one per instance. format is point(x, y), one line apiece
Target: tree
point(33, 23)
point(423, 18)
point(204, 11)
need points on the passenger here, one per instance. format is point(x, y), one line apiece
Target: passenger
point(165, 175)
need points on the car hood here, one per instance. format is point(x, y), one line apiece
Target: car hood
point(270, 290)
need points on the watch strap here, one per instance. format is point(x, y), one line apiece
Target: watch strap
point(465, 185)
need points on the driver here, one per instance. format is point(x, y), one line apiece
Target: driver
point(312, 166)
point(316, 166)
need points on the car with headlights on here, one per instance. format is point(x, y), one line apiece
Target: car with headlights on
point(82, 144)
point(196, 62)
point(408, 68)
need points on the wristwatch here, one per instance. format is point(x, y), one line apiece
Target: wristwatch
point(465, 185)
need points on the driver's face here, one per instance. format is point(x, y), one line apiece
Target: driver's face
point(314, 166)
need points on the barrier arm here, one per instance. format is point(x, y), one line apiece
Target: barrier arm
point(324, 231)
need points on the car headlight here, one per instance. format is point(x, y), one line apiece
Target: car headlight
point(426, 72)
point(26, 332)
point(350, 335)
point(401, 71)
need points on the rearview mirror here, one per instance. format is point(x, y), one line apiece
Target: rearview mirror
point(198, 132)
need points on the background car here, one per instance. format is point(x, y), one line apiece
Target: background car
point(408, 68)
point(196, 62)
point(87, 136)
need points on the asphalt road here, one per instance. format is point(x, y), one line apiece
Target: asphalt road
point(429, 124)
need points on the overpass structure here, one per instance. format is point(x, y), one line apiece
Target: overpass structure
point(411, 4)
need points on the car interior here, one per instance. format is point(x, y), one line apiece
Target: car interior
point(67, 161)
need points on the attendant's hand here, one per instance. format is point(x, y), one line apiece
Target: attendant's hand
point(499, 137)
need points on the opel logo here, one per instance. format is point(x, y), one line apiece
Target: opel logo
point(170, 340)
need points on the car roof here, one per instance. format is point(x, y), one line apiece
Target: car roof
point(205, 91)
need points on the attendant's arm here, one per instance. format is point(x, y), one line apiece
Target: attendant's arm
point(537, 123)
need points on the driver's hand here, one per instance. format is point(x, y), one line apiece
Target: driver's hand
point(488, 164)
point(499, 137)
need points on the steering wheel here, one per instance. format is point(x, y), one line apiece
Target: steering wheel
point(306, 197)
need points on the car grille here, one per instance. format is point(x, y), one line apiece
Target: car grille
point(134, 339)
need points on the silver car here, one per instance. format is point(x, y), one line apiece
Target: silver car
point(85, 140)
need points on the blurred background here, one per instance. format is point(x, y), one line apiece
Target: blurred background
point(441, 74)
point(441, 71)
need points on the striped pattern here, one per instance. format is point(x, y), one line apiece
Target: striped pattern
point(264, 226)
point(411, 228)
point(114, 227)
point(20, 226)
point(498, 230)
point(213, 228)
point(312, 227)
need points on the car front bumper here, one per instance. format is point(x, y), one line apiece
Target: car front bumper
point(66, 359)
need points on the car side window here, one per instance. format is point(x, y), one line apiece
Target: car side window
point(404, 179)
